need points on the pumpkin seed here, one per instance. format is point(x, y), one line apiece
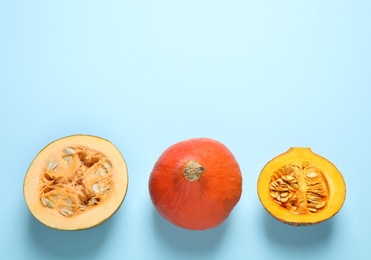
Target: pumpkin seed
point(93, 201)
point(321, 205)
point(95, 188)
point(318, 192)
point(312, 174)
point(54, 165)
point(51, 165)
point(288, 170)
point(107, 165)
point(103, 187)
point(66, 212)
point(47, 203)
point(102, 171)
point(314, 199)
point(279, 202)
point(67, 157)
point(69, 151)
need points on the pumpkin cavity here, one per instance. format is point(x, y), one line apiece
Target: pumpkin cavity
point(300, 188)
point(75, 180)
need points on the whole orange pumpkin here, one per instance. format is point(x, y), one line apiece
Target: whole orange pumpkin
point(196, 183)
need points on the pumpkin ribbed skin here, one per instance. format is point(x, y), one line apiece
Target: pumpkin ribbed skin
point(203, 203)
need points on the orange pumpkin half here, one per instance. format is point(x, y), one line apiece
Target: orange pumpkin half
point(196, 183)
point(300, 187)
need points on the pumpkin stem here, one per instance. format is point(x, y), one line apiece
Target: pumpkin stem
point(192, 171)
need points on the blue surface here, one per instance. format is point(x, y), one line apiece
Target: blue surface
point(259, 76)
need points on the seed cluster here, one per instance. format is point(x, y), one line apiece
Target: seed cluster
point(299, 187)
point(75, 181)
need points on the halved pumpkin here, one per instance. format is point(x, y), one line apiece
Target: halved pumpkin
point(300, 187)
point(76, 182)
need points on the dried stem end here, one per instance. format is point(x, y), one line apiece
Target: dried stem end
point(192, 171)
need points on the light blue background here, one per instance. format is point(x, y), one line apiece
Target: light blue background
point(259, 76)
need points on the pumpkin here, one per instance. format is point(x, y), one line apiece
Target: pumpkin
point(76, 182)
point(300, 187)
point(196, 183)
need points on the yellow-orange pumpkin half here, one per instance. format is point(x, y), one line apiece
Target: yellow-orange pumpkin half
point(301, 188)
point(196, 183)
point(76, 182)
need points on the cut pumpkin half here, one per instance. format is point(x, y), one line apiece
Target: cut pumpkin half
point(300, 187)
point(76, 182)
